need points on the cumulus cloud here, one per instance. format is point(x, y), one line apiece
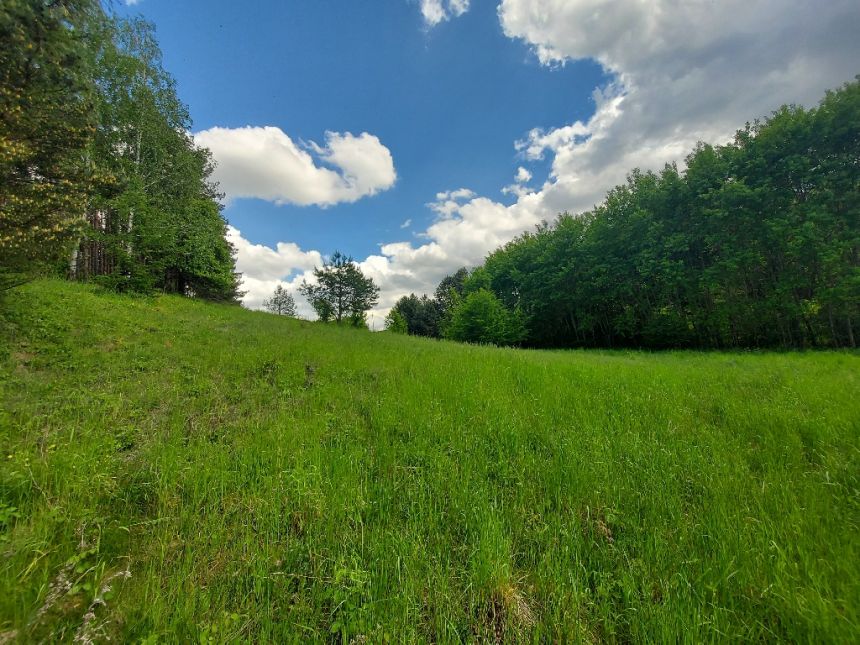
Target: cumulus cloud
point(523, 176)
point(462, 237)
point(448, 202)
point(400, 268)
point(265, 163)
point(460, 193)
point(263, 268)
point(436, 11)
point(680, 73)
point(519, 188)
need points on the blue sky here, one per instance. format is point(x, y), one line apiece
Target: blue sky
point(448, 102)
point(418, 135)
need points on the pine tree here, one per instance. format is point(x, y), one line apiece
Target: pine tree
point(342, 292)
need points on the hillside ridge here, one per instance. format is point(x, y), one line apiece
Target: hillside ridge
point(231, 475)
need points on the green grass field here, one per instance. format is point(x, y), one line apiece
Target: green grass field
point(175, 471)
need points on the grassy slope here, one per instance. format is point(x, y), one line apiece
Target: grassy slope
point(273, 479)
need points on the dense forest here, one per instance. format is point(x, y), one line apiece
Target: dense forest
point(99, 176)
point(755, 244)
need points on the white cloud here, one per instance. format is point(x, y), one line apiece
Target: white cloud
point(681, 72)
point(265, 163)
point(518, 188)
point(436, 11)
point(406, 224)
point(448, 202)
point(539, 140)
point(268, 263)
point(523, 176)
point(460, 193)
point(264, 268)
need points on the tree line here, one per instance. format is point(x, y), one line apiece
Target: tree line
point(462, 309)
point(99, 176)
point(755, 244)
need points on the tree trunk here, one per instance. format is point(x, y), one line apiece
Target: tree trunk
point(73, 262)
point(833, 335)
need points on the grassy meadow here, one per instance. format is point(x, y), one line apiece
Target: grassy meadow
point(174, 471)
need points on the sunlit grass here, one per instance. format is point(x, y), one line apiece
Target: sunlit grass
point(274, 480)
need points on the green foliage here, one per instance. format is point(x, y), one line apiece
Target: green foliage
point(477, 280)
point(47, 124)
point(265, 479)
point(448, 290)
point(281, 303)
point(396, 323)
point(342, 293)
point(482, 318)
point(421, 315)
point(358, 319)
point(756, 244)
point(160, 221)
point(99, 175)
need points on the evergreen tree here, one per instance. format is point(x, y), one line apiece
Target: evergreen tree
point(342, 292)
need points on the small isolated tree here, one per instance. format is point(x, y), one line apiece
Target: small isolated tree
point(482, 318)
point(396, 323)
point(281, 303)
point(342, 292)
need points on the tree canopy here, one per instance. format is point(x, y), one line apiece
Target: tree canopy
point(755, 244)
point(160, 222)
point(281, 303)
point(482, 318)
point(47, 96)
point(396, 323)
point(421, 315)
point(99, 176)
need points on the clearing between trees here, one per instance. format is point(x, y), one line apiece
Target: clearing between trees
point(174, 470)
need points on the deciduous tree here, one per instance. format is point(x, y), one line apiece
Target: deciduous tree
point(482, 318)
point(281, 303)
point(420, 314)
point(396, 323)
